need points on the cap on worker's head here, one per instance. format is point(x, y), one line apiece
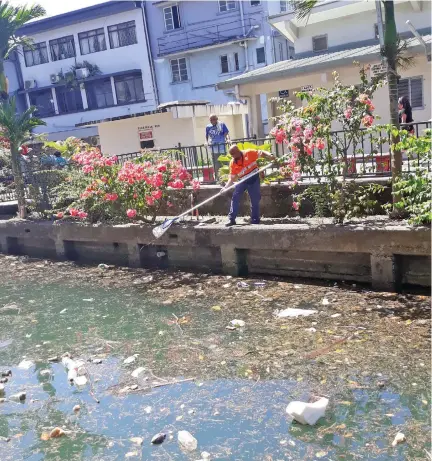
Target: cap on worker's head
point(235, 151)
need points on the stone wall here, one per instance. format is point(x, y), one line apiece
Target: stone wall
point(386, 255)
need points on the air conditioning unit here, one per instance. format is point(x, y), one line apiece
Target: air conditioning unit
point(30, 84)
point(55, 78)
point(378, 70)
point(82, 73)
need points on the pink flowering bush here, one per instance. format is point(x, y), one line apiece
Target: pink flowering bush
point(135, 190)
point(320, 134)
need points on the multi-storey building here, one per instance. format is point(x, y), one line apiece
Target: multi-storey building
point(86, 65)
point(334, 35)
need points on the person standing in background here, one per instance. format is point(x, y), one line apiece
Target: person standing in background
point(405, 113)
point(217, 135)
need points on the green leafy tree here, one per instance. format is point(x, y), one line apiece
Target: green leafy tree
point(16, 128)
point(11, 19)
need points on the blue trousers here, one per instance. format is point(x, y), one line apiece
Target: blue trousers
point(252, 185)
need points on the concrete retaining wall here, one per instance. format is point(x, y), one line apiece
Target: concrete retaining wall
point(386, 256)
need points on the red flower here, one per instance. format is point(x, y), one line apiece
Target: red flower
point(111, 197)
point(131, 213)
point(157, 194)
point(82, 214)
point(73, 211)
point(150, 200)
point(295, 205)
point(60, 215)
point(104, 179)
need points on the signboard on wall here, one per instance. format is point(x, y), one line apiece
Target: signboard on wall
point(284, 93)
point(145, 134)
point(307, 88)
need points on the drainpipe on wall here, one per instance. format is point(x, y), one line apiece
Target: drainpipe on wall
point(149, 55)
point(244, 35)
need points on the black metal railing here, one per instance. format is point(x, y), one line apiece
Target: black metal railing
point(199, 37)
point(369, 157)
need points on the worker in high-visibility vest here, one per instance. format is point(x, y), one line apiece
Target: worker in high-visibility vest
point(243, 163)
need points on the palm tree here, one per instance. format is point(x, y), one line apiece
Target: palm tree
point(17, 129)
point(11, 19)
point(391, 50)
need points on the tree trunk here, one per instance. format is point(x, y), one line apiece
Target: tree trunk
point(4, 87)
point(19, 181)
point(390, 44)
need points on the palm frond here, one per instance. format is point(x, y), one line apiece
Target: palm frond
point(302, 8)
point(402, 60)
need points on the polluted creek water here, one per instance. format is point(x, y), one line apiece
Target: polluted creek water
point(367, 352)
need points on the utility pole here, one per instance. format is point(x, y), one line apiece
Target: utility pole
point(380, 22)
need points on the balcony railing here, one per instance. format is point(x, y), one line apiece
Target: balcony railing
point(204, 36)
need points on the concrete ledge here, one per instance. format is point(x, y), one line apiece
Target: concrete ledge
point(385, 255)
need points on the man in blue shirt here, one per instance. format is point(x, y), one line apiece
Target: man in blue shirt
point(217, 135)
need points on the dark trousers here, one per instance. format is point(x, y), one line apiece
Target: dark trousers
point(252, 185)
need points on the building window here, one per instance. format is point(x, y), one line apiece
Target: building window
point(69, 99)
point(172, 17)
point(99, 93)
point(319, 43)
point(123, 34)
point(291, 51)
point(35, 54)
point(43, 101)
point(224, 64)
point(413, 88)
point(129, 88)
point(284, 7)
point(92, 41)
point(255, 2)
point(62, 48)
point(236, 62)
point(179, 70)
point(225, 5)
point(260, 55)
point(281, 56)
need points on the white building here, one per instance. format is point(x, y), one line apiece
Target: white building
point(111, 36)
point(334, 35)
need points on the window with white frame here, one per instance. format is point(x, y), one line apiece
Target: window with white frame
point(226, 5)
point(123, 34)
point(224, 64)
point(319, 43)
point(255, 2)
point(236, 61)
point(281, 55)
point(413, 88)
point(179, 70)
point(36, 53)
point(172, 17)
point(284, 7)
point(260, 55)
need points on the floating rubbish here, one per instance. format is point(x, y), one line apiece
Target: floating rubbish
point(311, 330)
point(148, 410)
point(26, 364)
point(130, 359)
point(307, 413)
point(205, 455)
point(57, 432)
point(259, 284)
point(242, 285)
point(63, 311)
point(96, 361)
point(53, 359)
point(137, 440)
point(45, 372)
point(76, 408)
point(216, 308)
point(103, 266)
point(230, 327)
point(293, 312)
point(158, 438)
point(137, 372)
point(238, 323)
point(2, 389)
point(80, 380)
point(131, 454)
point(187, 441)
point(160, 254)
point(4, 380)
point(325, 302)
point(335, 315)
point(21, 396)
point(400, 438)
point(88, 300)
point(6, 373)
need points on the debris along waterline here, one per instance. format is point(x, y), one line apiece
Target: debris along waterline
point(244, 377)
